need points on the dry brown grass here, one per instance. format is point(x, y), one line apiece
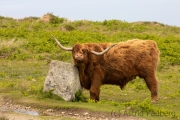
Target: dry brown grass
point(10, 43)
point(46, 18)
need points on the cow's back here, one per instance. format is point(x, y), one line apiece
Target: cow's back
point(129, 59)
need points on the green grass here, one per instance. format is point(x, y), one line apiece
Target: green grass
point(25, 79)
point(26, 49)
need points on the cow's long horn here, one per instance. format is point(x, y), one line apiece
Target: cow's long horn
point(59, 44)
point(103, 52)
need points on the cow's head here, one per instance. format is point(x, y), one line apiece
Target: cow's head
point(80, 51)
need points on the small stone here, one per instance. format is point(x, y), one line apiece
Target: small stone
point(76, 114)
point(102, 116)
point(50, 110)
point(88, 117)
point(85, 114)
point(69, 113)
point(62, 112)
point(27, 107)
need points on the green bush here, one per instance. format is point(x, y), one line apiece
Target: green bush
point(55, 19)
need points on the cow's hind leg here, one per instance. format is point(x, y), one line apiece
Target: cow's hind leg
point(152, 84)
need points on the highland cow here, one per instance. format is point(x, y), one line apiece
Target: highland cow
point(116, 64)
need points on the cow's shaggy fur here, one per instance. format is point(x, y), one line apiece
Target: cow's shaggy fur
point(121, 64)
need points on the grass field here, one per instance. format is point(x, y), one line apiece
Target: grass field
point(26, 49)
point(25, 79)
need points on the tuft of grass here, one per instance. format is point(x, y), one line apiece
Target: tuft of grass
point(8, 47)
point(79, 97)
point(3, 118)
point(11, 44)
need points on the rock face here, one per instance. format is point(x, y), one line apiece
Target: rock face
point(63, 79)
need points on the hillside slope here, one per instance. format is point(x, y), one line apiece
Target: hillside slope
point(30, 38)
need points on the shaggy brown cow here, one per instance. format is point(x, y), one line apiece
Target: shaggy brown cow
point(116, 64)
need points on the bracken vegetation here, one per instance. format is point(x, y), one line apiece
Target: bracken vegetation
point(26, 48)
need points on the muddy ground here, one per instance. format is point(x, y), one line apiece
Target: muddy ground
point(12, 111)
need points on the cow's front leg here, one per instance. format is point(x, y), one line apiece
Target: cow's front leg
point(96, 82)
point(94, 93)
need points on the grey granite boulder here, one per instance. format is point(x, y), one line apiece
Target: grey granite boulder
point(63, 79)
